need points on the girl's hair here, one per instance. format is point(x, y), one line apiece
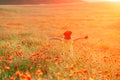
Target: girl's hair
point(67, 35)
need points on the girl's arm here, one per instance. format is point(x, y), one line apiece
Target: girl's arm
point(56, 39)
point(80, 38)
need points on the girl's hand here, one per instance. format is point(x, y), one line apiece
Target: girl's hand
point(86, 37)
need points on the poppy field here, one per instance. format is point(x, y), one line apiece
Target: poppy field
point(28, 53)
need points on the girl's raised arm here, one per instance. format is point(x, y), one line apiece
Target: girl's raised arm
point(56, 39)
point(80, 38)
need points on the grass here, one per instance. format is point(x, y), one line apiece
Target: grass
point(7, 10)
point(24, 57)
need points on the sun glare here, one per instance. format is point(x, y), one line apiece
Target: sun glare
point(113, 0)
point(102, 0)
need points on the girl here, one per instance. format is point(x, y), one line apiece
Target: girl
point(68, 42)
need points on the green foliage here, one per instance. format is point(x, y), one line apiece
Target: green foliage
point(7, 10)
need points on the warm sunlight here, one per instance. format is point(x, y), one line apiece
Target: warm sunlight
point(113, 0)
point(102, 0)
point(59, 39)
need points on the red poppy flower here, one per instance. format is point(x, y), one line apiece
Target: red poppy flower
point(12, 78)
point(67, 35)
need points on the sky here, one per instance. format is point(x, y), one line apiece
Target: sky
point(46, 1)
point(102, 0)
point(94, 0)
point(35, 1)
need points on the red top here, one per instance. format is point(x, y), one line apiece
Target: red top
point(67, 35)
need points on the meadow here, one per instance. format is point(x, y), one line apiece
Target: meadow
point(27, 53)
